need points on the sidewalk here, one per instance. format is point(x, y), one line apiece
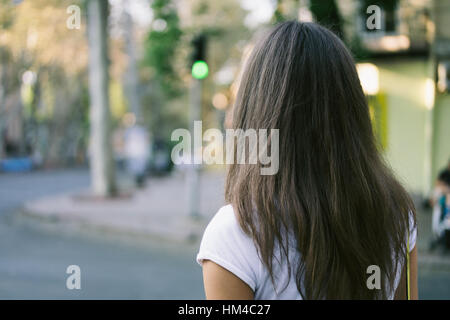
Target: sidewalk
point(159, 209)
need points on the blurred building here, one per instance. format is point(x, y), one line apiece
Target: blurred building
point(402, 65)
point(399, 71)
point(441, 64)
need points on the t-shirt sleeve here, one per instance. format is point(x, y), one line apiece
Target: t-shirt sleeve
point(226, 244)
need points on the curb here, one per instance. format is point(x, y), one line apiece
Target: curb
point(179, 229)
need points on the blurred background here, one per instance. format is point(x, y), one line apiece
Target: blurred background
point(91, 91)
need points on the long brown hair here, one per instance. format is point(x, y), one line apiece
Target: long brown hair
point(333, 192)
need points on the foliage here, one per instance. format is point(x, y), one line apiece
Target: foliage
point(161, 45)
point(385, 4)
point(51, 110)
point(326, 13)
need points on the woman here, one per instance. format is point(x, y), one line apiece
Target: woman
point(334, 211)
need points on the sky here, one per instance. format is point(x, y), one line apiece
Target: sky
point(259, 11)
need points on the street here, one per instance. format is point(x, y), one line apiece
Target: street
point(34, 260)
point(34, 257)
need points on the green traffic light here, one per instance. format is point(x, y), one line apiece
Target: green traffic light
point(200, 69)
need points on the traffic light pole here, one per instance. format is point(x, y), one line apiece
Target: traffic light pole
point(199, 71)
point(193, 172)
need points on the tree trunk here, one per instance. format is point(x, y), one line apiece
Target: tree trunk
point(101, 155)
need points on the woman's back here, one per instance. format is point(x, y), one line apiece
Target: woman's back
point(333, 203)
point(226, 244)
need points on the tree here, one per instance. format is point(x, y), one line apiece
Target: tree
point(326, 12)
point(101, 157)
point(52, 110)
point(161, 45)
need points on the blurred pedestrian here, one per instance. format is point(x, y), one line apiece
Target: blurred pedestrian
point(441, 210)
point(137, 152)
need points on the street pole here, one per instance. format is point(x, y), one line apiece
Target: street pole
point(193, 172)
point(101, 153)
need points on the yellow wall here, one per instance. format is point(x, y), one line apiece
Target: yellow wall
point(403, 81)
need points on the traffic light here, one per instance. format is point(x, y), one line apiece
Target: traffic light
point(199, 66)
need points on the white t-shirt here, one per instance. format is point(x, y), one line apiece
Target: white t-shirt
point(225, 243)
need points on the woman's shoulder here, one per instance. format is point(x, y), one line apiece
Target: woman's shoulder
point(225, 243)
point(226, 222)
point(224, 233)
point(225, 215)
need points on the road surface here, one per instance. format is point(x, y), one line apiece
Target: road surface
point(34, 258)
